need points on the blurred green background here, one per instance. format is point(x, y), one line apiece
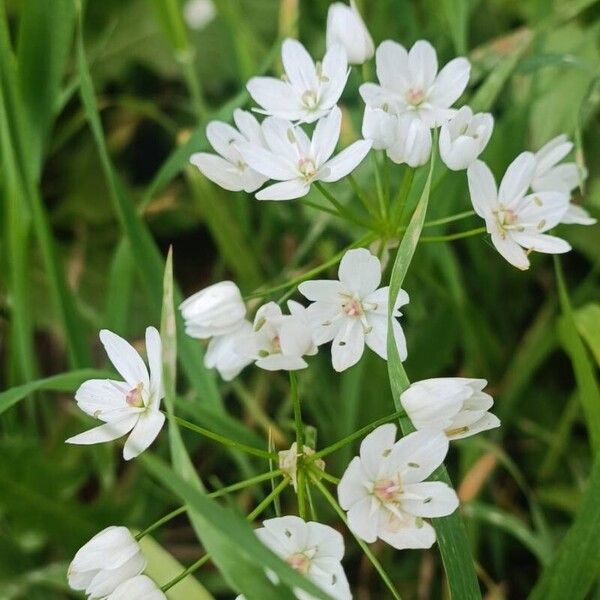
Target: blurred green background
point(73, 260)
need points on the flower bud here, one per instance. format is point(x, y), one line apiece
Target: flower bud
point(199, 13)
point(222, 353)
point(110, 558)
point(346, 28)
point(215, 310)
point(379, 126)
point(455, 405)
point(138, 588)
point(464, 137)
point(412, 144)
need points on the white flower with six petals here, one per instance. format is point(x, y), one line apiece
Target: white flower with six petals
point(513, 219)
point(308, 91)
point(296, 162)
point(131, 406)
point(354, 310)
point(384, 490)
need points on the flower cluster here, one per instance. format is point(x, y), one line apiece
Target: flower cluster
point(385, 489)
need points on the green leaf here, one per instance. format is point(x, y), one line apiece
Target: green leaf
point(587, 386)
point(587, 319)
point(145, 252)
point(162, 567)
point(232, 544)
point(574, 568)
point(450, 530)
point(65, 382)
point(457, 13)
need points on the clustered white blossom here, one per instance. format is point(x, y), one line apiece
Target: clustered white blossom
point(384, 489)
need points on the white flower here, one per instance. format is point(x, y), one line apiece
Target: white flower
point(278, 341)
point(222, 352)
point(384, 490)
point(288, 462)
point(410, 82)
point(353, 310)
point(412, 142)
point(515, 220)
point(346, 28)
point(456, 405)
point(565, 177)
point(216, 310)
point(130, 406)
point(138, 588)
point(296, 161)
point(379, 126)
point(464, 137)
point(107, 560)
point(313, 549)
point(199, 13)
point(229, 169)
point(308, 91)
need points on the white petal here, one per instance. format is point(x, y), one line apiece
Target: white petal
point(248, 125)
point(329, 542)
point(285, 190)
point(96, 396)
point(422, 64)
point(375, 448)
point(412, 536)
point(419, 454)
point(279, 135)
point(437, 499)
point(450, 83)
point(324, 321)
point(482, 188)
point(154, 353)
point(360, 272)
point(362, 522)
point(275, 97)
point(107, 580)
point(563, 178)
point(335, 69)
point(376, 338)
point(222, 138)
point(540, 242)
point(125, 359)
point(280, 362)
point(353, 486)
point(348, 345)
point(218, 170)
point(542, 211)
point(322, 290)
point(517, 179)
point(326, 135)
point(266, 162)
point(289, 533)
point(346, 161)
point(578, 215)
point(379, 126)
point(486, 422)
point(392, 66)
point(552, 153)
point(105, 433)
point(143, 434)
point(511, 251)
point(299, 66)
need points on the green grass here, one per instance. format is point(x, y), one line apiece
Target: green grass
point(100, 108)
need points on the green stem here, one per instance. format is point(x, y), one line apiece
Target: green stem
point(365, 548)
point(453, 236)
point(265, 503)
point(320, 207)
point(450, 219)
point(221, 438)
point(160, 522)
point(328, 477)
point(361, 195)
point(353, 436)
point(344, 212)
point(402, 197)
point(188, 571)
point(299, 443)
point(379, 186)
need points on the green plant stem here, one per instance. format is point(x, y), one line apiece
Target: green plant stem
point(453, 236)
point(354, 436)
point(365, 548)
point(221, 438)
point(299, 442)
point(188, 571)
point(450, 219)
point(270, 498)
point(329, 477)
point(344, 212)
point(402, 197)
point(361, 195)
point(160, 522)
point(379, 187)
point(320, 207)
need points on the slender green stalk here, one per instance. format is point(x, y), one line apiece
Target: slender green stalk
point(379, 187)
point(270, 498)
point(221, 438)
point(160, 522)
point(453, 236)
point(329, 477)
point(299, 443)
point(402, 197)
point(354, 436)
point(365, 548)
point(241, 485)
point(450, 219)
point(344, 212)
point(188, 571)
point(361, 195)
point(320, 207)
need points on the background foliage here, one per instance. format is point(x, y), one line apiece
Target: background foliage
point(91, 202)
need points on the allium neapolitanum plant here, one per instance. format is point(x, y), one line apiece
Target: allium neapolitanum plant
point(396, 489)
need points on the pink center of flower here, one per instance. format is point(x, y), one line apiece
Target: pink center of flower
point(353, 307)
point(386, 490)
point(300, 562)
point(307, 167)
point(415, 96)
point(134, 396)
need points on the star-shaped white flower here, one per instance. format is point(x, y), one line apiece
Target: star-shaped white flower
point(410, 82)
point(513, 219)
point(296, 161)
point(313, 549)
point(464, 137)
point(308, 91)
point(384, 490)
point(278, 341)
point(564, 177)
point(353, 311)
point(131, 406)
point(456, 405)
point(229, 170)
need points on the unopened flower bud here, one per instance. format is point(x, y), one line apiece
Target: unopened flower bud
point(346, 28)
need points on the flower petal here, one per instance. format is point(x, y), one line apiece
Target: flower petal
point(419, 454)
point(348, 345)
point(422, 65)
point(154, 353)
point(375, 449)
point(268, 163)
point(325, 136)
point(540, 242)
point(431, 499)
point(517, 179)
point(276, 97)
point(285, 190)
point(96, 396)
point(106, 432)
point(143, 434)
point(482, 188)
point(353, 485)
point(218, 170)
point(360, 272)
point(392, 66)
point(411, 536)
point(125, 359)
point(346, 161)
point(299, 66)
point(450, 83)
point(511, 251)
point(362, 522)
